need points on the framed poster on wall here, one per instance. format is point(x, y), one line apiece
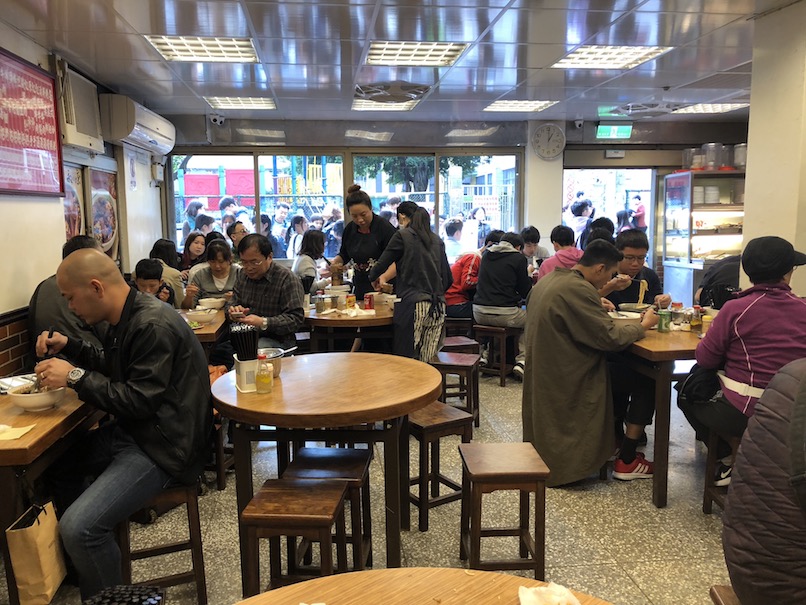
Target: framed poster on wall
point(30, 148)
point(103, 211)
point(73, 201)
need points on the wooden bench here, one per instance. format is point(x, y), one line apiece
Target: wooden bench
point(497, 350)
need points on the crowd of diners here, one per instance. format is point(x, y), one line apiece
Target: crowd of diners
point(123, 348)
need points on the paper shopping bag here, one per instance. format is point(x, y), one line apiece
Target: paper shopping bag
point(36, 554)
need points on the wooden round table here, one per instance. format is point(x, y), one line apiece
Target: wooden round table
point(325, 329)
point(327, 391)
point(406, 586)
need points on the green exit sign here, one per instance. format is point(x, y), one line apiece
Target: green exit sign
point(613, 131)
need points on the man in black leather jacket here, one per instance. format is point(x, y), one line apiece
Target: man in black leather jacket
point(152, 377)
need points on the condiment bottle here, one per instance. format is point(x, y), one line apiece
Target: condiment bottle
point(706, 322)
point(677, 312)
point(696, 320)
point(264, 379)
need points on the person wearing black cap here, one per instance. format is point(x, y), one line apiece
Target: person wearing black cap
point(750, 339)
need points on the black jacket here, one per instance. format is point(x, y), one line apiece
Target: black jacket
point(152, 376)
point(764, 524)
point(503, 277)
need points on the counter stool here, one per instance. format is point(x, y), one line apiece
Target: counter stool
point(170, 498)
point(347, 464)
point(427, 426)
point(724, 595)
point(711, 493)
point(489, 467)
point(466, 367)
point(305, 508)
point(458, 326)
point(497, 350)
point(460, 344)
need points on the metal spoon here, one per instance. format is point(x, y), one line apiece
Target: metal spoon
point(38, 381)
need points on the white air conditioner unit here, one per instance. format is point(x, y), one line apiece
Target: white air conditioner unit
point(125, 121)
point(79, 118)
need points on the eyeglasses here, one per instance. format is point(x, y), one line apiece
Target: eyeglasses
point(635, 259)
point(253, 263)
point(242, 232)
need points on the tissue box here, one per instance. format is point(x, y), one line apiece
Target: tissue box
point(245, 372)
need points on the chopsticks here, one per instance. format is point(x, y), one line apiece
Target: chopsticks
point(244, 339)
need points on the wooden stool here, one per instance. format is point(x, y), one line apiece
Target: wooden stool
point(293, 508)
point(427, 426)
point(466, 366)
point(346, 464)
point(223, 455)
point(458, 326)
point(460, 344)
point(712, 493)
point(497, 351)
point(489, 467)
point(724, 595)
point(170, 498)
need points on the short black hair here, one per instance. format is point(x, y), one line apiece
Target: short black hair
point(599, 233)
point(231, 228)
point(577, 208)
point(79, 242)
point(225, 202)
point(148, 268)
point(562, 236)
point(600, 251)
point(493, 237)
point(514, 239)
point(603, 223)
point(452, 226)
point(255, 240)
point(216, 247)
point(632, 238)
point(202, 220)
point(279, 205)
point(530, 235)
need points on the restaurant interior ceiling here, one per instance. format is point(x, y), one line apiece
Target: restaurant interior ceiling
point(314, 60)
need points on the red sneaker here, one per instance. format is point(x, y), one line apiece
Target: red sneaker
point(640, 468)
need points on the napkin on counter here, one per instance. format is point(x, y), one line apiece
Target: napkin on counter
point(8, 433)
point(552, 594)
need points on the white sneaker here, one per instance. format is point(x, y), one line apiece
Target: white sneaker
point(517, 371)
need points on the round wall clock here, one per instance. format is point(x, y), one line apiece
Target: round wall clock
point(548, 141)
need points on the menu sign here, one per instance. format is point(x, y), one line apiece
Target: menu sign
point(30, 152)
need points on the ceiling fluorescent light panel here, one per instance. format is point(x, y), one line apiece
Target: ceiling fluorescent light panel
point(610, 57)
point(204, 50)
point(515, 106)
point(414, 54)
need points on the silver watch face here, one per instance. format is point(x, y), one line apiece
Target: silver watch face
point(75, 375)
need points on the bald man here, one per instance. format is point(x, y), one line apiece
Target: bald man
point(151, 375)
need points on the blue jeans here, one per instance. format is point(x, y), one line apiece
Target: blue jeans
point(125, 479)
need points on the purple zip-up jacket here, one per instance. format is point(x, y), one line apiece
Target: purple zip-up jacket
point(753, 337)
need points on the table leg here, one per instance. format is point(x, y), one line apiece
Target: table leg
point(9, 511)
point(391, 461)
point(242, 446)
point(405, 462)
point(663, 395)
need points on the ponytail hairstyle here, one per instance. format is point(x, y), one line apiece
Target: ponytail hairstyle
point(421, 224)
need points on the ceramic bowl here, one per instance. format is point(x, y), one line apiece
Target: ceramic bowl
point(203, 316)
point(212, 303)
point(623, 318)
point(35, 402)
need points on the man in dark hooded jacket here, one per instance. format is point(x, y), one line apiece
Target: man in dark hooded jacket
point(504, 283)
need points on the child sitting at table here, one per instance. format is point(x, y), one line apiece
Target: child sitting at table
point(149, 280)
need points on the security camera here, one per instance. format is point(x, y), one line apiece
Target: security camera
point(579, 123)
point(217, 120)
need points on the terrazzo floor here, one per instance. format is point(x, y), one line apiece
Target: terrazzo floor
point(604, 538)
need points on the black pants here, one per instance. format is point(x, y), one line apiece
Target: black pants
point(633, 394)
point(462, 310)
point(718, 415)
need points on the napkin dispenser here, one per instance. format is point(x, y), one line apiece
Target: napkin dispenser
point(245, 372)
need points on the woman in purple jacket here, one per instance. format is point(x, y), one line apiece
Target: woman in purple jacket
point(750, 339)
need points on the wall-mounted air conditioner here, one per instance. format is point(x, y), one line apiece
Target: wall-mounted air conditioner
point(124, 121)
point(79, 116)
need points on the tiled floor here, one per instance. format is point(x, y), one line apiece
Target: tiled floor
point(603, 538)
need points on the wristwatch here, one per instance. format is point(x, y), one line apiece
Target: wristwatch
point(75, 376)
point(265, 324)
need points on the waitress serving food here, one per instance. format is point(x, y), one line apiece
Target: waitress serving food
point(364, 240)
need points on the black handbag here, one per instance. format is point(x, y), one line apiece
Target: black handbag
point(701, 385)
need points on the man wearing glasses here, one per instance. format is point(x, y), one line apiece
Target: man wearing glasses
point(633, 393)
point(236, 232)
point(266, 295)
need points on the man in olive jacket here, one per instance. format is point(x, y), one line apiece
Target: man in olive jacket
point(152, 377)
point(567, 403)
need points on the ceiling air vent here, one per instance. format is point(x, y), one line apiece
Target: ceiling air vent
point(391, 92)
point(646, 110)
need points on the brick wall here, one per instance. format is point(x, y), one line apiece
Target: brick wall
point(14, 345)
